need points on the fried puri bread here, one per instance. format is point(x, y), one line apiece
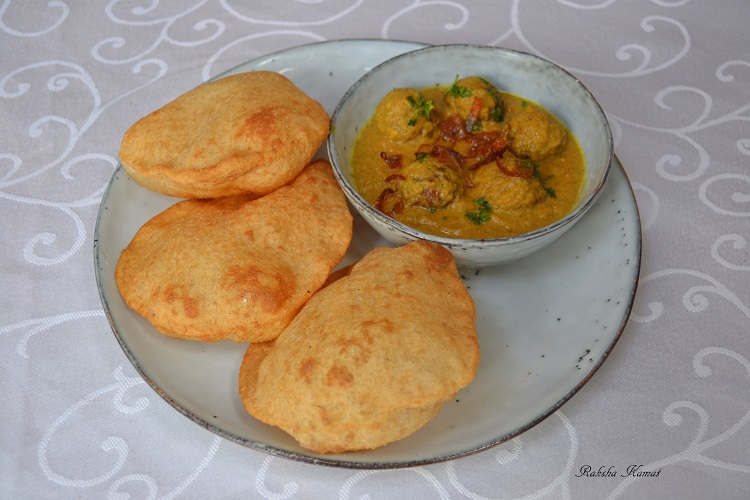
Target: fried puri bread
point(246, 133)
point(371, 357)
point(237, 268)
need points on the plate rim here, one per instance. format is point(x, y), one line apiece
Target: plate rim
point(344, 463)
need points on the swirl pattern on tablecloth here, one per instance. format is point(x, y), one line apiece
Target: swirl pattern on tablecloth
point(74, 76)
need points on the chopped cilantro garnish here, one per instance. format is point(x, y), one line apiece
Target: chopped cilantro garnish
point(458, 91)
point(530, 166)
point(498, 112)
point(422, 156)
point(422, 106)
point(483, 215)
point(550, 192)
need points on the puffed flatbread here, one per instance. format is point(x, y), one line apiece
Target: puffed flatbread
point(371, 357)
point(237, 268)
point(246, 133)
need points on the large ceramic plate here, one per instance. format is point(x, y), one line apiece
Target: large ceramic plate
point(546, 323)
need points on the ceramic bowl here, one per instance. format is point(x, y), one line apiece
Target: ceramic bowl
point(515, 72)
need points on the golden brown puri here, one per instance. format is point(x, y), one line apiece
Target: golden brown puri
point(370, 358)
point(245, 133)
point(237, 268)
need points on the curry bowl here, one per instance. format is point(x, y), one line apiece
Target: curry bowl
point(530, 77)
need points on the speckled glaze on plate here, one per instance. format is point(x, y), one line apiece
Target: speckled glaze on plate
point(546, 323)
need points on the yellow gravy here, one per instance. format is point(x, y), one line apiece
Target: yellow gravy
point(467, 161)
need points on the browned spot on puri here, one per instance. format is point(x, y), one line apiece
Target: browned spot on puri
point(259, 124)
point(355, 348)
point(170, 295)
point(339, 376)
point(189, 305)
point(382, 324)
point(249, 235)
point(440, 259)
point(306, 369)
point(269, 288)
point(367, 338)
point(314, 199)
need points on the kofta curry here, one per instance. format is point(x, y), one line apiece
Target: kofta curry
point(467, 161)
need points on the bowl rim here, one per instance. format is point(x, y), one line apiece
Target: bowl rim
point(356, 198)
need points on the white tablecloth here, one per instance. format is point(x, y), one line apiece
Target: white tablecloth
point(674, 396)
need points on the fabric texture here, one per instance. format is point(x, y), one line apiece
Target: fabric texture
point(674, 395)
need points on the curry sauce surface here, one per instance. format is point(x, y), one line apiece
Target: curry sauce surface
point(467, 161)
